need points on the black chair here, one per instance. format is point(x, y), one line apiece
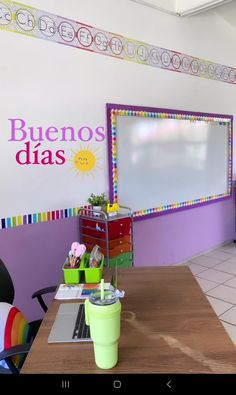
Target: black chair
point(7, 293)
point(38, 294)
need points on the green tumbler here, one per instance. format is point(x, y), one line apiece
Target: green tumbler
point(103, 317)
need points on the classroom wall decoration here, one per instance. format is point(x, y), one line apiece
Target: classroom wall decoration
point(32, 22)
point(51, 165)
point(85, 161)
point(52, 123)
point(164, 160)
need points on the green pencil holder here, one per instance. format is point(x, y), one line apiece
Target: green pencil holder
point(92, 274)
point(83, 272)
point(71, 275)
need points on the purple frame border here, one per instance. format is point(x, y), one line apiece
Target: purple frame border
point(111, 106)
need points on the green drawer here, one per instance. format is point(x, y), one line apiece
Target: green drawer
point(123, 260)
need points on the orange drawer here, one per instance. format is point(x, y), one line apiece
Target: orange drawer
point(120, 250)
point(89, 240)
point(116, 246)
point(102, 242)
point(118, 242)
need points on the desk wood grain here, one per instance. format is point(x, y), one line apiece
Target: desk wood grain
point(167, 326)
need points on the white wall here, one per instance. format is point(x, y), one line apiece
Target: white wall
point(182, 5)
point(46, 82)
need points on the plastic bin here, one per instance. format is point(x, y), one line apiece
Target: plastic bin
point(71, 275)
point(91, 275)
point(83, 273)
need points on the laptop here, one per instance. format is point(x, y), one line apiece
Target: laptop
point(69, 325)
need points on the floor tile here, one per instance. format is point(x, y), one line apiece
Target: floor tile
point(205, 285)
point(222, 255)
point(223, 292)
point(219, 305)
point(195, 269)
point(231, 248)
point(206, 261)
point(229, 316)
point(231, 330)
point(215, 275)
point(231, 283)
point(232, 259)
point(227, 267)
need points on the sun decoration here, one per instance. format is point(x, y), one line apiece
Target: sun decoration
point(85, 161)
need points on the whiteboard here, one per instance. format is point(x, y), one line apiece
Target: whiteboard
point(165, 163)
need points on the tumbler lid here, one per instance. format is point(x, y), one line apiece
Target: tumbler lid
point(110, 297)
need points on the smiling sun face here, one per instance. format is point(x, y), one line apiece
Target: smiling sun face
point(85, 161)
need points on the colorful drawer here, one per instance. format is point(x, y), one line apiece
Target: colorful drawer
point(114, 236)
point(112, 243)
point(123, 260)
point(119, 228)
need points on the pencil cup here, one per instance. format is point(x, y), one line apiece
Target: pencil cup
point(91, 275)
point(71, 275)
point(103, 317)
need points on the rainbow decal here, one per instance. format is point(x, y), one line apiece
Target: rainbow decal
point(23, 19)
point(11, 222)
point(164, 115)
point(14, 331)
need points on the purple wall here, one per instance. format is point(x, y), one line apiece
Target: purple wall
point(34, 254)
point(175, 237)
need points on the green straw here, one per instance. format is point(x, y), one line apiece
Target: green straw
point(102, 289)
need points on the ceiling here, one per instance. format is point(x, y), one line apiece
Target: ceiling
point(188, 7)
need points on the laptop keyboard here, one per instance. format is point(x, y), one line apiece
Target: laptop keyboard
point(81, 330)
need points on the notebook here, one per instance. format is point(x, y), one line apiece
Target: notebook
point(77, 291)
point(68, 291)
point(69, 325)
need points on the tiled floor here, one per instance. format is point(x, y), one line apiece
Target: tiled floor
point(216, 275)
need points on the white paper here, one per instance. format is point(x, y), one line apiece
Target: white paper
point(74, 291)
point(68, 291)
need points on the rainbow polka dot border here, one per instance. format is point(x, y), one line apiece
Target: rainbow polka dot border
point(12, 222)
point(114, 112)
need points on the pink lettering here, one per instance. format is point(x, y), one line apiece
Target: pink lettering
point(19, 128)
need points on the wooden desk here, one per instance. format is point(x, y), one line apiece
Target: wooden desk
point(167, 325)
